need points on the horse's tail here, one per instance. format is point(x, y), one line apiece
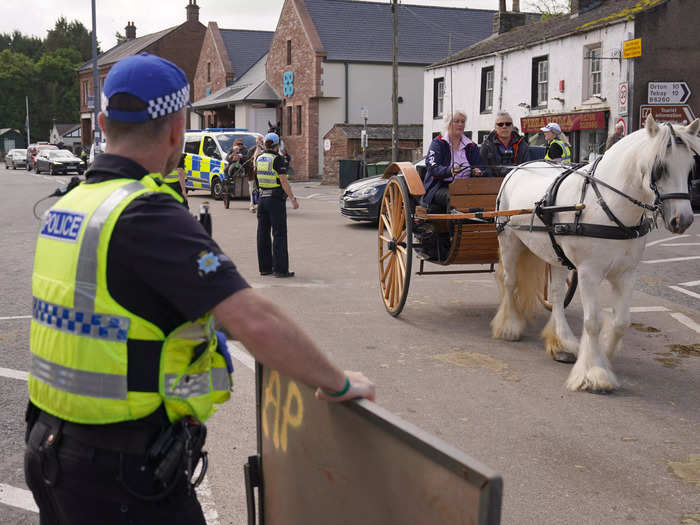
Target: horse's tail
point(529, 283)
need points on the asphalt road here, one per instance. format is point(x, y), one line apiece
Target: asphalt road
point(631, 457)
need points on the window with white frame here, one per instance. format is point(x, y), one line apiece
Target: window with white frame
point(486, 89)
point(438, 97)
point(542, 82)
point(594, 71)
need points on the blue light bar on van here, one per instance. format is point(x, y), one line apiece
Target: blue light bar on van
point(215, 129)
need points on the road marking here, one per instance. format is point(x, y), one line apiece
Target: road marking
point(20, 498)
point(206, 500)
point(648, 309)
point(238, 351)
point(14, 374)
point(278, 284)
point(15, 317)
point(673, 259)
point(687, 292)
point(687, 321)
point(689, 283)
point(659, 241)
point(681, 244)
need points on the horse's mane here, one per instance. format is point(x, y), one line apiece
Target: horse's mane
point(648, 150)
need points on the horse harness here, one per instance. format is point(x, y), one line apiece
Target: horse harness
point(619, 231)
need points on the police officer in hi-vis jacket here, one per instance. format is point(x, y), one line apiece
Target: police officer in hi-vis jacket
point(125, 363)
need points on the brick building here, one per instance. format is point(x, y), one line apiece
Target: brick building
point(330, 58)
point(180, 44)
point(227, 56)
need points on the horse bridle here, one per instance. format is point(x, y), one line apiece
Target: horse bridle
point(656, 175)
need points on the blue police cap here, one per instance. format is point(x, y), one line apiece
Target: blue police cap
point(272, 137)
point(157, 82)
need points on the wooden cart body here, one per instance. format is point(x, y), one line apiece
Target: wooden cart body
point(461, 237)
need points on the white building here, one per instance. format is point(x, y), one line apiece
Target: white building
point(567, 69)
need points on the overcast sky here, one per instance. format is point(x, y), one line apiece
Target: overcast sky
point(36, 17)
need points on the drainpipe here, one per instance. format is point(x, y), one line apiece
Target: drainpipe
point(500, 83)
point(347, 91)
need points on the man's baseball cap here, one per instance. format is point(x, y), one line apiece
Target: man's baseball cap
point(272, 137)
point(553, 127)
point(158, 83)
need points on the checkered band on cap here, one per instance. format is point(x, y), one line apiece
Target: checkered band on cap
point(168, 104)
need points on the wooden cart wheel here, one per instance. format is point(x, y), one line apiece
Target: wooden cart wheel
point(395, 245)
point(571, 284)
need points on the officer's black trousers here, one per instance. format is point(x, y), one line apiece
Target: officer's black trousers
point(272, 254)
point(75, 483)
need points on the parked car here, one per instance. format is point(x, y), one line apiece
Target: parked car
point(32, 151)
point(15, 158)
point(362, 199)
point(91, 155)
point(58, 161)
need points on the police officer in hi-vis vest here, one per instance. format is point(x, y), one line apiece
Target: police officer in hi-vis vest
point(126, 365)
point(271, 170)
point(557, 149)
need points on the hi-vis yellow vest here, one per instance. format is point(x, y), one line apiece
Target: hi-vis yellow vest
point(93, 361)
point(566, 150)
point(268, 178)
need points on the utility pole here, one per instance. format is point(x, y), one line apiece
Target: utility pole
point(97, 99)
point(395, 86)
point(26, 99)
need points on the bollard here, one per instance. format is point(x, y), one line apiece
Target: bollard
point(205, 217)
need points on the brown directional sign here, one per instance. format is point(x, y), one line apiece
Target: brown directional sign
point(675, 114)
point(356, 463)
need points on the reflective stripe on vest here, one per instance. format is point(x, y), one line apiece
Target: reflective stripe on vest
point(268, 178)
point(79, 333)
point(171, 177)
point(566, 151)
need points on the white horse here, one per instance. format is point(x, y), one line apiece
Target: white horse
point(649, 166)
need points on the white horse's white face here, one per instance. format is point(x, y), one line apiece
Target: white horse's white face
point(671, 170)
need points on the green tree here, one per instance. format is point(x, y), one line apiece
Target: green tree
point(120, 38)
point(58, 89)
point(17, 80)
point(30, 46)
point(549, 8)
point(70, 35)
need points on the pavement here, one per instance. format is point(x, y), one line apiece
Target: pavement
point(630, 457)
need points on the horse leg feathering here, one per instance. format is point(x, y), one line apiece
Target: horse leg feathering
point(559, 340)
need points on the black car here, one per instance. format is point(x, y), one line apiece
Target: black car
point(362, 199)
point(58, 161)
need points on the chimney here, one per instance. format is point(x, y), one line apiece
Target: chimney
point(581, 6)
point(504, 21)
point(192, 11)
point(130, 31)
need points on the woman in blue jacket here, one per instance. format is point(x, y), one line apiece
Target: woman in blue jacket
point(449, 158)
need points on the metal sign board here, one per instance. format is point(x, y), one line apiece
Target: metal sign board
point(632, 48)
point(623, 121)
point(668, 92)
point(623, 97)
point(357, 463)
point(676, 114)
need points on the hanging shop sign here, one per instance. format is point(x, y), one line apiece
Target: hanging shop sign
point(567, 121)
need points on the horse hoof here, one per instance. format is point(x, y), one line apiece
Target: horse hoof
point(600, 391)
point(564, 357)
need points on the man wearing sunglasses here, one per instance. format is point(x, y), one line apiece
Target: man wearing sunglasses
point(502, 147)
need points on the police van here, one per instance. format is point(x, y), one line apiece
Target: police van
point(205, 154)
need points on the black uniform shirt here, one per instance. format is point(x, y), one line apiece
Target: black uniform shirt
point(161, 264)
point(554, 151)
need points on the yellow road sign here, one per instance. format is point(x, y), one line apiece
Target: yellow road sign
point(632, 48)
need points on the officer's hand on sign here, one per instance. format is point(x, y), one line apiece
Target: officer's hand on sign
point(356, 386)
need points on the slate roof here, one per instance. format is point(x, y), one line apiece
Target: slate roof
point(245, 48)
point(362, 31)
point(610, 12)
point(128, 48)
point(382, 131)
point(257, 91)
point(66, 128)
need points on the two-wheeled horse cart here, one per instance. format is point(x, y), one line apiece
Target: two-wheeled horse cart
point(466, 235)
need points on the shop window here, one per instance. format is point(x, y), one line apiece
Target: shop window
point(289, 120)
point(540, 82)
point(298, 120)
point(486, 89)
point(594, 71)
point(289, 52)
point(438, 97)
point(482, 135)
